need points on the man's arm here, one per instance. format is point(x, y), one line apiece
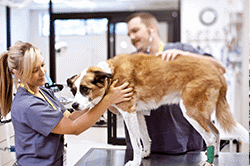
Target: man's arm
point(171, 54)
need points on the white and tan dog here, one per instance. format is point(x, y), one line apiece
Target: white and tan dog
point(194, 83)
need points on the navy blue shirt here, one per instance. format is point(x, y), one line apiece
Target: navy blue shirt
point(33, 120)
point(169, 131)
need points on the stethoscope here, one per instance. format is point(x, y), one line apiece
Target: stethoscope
point(149, 41)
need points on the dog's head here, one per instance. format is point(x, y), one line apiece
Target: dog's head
point(89, 87)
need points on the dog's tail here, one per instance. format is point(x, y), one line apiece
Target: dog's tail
point(226, 119)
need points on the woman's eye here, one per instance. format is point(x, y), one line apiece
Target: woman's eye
point(34, 71)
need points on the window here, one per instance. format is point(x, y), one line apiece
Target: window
point(69, 27)
point(121, 28)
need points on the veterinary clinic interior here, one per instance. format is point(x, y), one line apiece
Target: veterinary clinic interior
point(73, 35)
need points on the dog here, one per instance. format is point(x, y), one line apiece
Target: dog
point(196, 84)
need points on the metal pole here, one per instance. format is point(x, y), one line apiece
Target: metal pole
point(52, 45)
point(8, 27)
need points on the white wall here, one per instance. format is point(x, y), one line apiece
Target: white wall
point(83, 51)
point(36, 39)
point(20, 25)
point(2, 29)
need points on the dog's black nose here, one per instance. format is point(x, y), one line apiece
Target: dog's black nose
point(75, 105)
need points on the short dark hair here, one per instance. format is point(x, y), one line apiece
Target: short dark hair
point(146, 18)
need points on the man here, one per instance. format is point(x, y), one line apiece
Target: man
point(169, 131)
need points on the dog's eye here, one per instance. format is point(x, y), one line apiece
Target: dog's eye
point(84, 89)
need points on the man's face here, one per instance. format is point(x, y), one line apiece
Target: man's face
point(139, 34)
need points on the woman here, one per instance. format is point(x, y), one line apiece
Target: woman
point(39, 119)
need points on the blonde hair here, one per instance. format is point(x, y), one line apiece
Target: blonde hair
point(21, 57)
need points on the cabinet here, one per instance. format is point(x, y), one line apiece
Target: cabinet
point(7, 158)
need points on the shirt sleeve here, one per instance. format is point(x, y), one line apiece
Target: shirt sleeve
point(190, 48)
point(42, 117)
point(185, 47)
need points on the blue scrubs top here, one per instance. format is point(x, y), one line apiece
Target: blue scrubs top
point(33, 120)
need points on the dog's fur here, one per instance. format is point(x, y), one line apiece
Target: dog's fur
point(196, 84)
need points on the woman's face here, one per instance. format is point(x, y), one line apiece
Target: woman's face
point(38, 74)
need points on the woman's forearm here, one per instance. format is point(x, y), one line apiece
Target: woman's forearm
point(89, 118)
point(76, 114)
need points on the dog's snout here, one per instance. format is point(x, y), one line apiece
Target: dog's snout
point(75, 105)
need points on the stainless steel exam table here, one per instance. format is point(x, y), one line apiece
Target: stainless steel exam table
point(115, 157)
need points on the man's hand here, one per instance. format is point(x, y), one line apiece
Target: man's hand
point(171, 54)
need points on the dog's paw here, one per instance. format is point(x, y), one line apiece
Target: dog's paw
point(145, 154)
point(132, 163)
point(204, 163)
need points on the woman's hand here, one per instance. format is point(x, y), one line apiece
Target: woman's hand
point(120, 93)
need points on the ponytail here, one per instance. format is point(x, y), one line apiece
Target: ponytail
point(6, 85)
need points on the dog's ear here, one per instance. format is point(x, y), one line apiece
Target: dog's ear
point(100, 77)
point(70, 81)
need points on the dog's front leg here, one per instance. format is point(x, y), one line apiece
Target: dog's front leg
point(146, 141)
point(131, 122)
point(134, 134)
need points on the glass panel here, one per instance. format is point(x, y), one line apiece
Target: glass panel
point(121, 28)
point(85, 45)
point(96, 26)
point(75, 27)
point(70, 27)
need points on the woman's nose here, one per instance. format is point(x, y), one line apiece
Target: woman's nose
point(42, 71)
